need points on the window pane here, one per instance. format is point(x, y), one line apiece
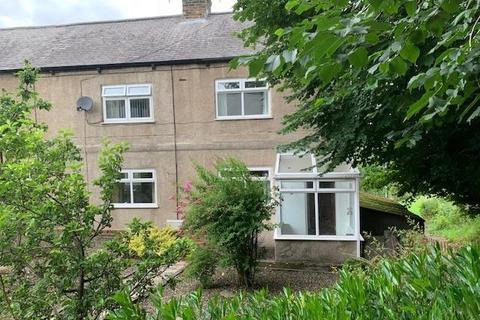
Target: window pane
point(123, 175)
point(259, 173)
point(229, 104)
point(255, 103)
point(143, 192)
point(115, 109)
point(121, 193)
point(143, 90)
point(114, 91)
point(336, 185)
point(140, 108)
point(255, 84)
point(335, 214)
point(295, 164)
point(142, 175)
point(228, 85)
point(298, 214)
point(296, 184)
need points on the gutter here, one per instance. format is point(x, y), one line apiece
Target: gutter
point(105, 66)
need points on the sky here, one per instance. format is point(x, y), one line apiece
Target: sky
point(16, 13)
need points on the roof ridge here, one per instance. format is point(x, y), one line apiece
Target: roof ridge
point(106, 22)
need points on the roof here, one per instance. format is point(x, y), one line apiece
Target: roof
point(160, 40)
point(382, 204)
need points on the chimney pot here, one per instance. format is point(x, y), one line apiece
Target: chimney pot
point(195, 9)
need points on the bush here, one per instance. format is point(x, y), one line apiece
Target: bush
point(426, 285)
point(230, 208)
point(202, 263)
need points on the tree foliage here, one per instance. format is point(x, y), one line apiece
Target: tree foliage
point(230, 209)
point(392, 83)
point(50, 231)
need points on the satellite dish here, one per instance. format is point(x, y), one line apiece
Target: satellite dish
point(84, 103)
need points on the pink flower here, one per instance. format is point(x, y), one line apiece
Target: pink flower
point(187, 186)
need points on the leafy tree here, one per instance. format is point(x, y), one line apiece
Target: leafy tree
point(49, 229)
point(230, 208)
point(390, 83)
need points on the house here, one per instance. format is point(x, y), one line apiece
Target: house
point(164, 86)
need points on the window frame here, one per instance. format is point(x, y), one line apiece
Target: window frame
point(127, 98)
point(131, 180)
point(242, 90)
point(317, 190)
point(269, 178)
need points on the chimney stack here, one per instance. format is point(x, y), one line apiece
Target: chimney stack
point(195, 9)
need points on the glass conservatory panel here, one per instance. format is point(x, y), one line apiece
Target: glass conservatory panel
point(295, 164)
point(298, 214)
point(335, 214)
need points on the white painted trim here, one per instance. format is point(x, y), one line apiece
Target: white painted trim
point(131, 180)
point(357, 216)
point(126, 97)
point(242, 90)
point(315, 238)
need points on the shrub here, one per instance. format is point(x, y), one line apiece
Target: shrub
point(424, 285)
point(202, 263)
point(230, 209)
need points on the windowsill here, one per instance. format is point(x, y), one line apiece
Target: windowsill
point(135, 205)
point(128, 122)
point(315, 238)
point(244, 118)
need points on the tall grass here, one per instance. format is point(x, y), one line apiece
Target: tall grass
point(423, 285)
point(447, 220)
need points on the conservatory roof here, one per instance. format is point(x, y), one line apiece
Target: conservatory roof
point(301, 166)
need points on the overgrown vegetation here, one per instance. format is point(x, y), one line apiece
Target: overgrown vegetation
point(229, 209)
point(447, 220)
point(390, 83)
point(424, 285)
point(50, 231)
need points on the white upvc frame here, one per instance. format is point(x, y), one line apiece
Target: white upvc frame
point(270, 176)
point(242, 90)
point(127, 97)
point(131, 180)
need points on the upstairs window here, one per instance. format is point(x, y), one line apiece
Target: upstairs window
point(127, 103)
point(242, 99)
point(136, 189)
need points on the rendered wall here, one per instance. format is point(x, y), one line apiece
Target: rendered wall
point(323, 252)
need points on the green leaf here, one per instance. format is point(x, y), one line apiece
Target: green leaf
point(358, 58)
point(410, 52)
point(279, 32)
point(327, 72)
point(399, 66)
point(291, 4)
point(411, 8)
point(450, 6)
point(421, 103)
point(255, 66)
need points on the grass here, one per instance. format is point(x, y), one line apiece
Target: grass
point(447, 220)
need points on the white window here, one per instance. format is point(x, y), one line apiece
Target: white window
point(262, 174)
point(136, 189)
point(315, 205)
point(127, 103)
point(317, 208)
point(242, 99)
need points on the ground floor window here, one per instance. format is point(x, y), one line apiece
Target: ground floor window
point(136, 189)
point(315, 205)
point(324, 207)
point(263, 175)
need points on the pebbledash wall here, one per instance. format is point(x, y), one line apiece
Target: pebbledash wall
point(184, 128)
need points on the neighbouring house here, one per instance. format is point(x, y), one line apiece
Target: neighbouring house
point(164, 86)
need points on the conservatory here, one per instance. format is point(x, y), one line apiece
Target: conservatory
point(319, 213)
